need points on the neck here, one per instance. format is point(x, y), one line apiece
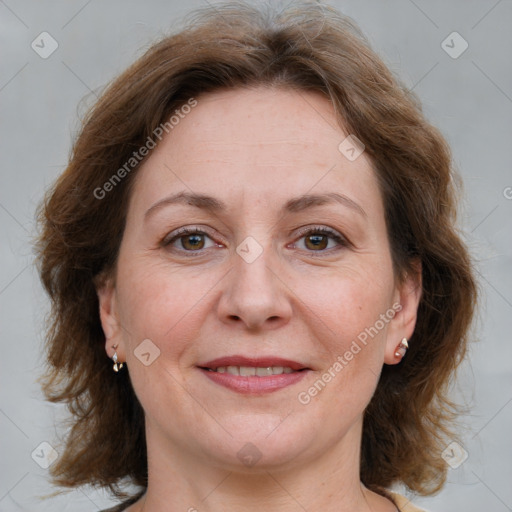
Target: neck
point(180, 481)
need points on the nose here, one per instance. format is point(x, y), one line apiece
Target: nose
point(254, 294)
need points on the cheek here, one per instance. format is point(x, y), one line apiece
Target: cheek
point(162, 304)
point(353, 344)
point(167, 307)
point(355, 307)
point(350, 300)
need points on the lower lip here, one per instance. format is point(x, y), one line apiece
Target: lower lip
point(255, 385)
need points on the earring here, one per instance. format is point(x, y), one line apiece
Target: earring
point(117, 366)
point(401, 349)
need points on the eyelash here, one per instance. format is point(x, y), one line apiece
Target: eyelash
point(317, 230)
point(322, 230)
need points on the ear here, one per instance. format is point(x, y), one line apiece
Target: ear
point(407, 299)
point(109, 318)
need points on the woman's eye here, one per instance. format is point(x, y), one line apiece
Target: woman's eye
point(189, 240)
point(315, 240)
point(319, 240)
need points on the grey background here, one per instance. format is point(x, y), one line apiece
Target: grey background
point(468, 98)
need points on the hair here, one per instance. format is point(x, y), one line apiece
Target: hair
point(307, 47)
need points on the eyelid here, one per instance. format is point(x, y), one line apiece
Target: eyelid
point(322, 229)
point(187, 230)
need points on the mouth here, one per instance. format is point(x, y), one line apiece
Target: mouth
point(252, 371)
point(254, 375)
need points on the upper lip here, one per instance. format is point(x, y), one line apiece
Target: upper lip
point(258, 362)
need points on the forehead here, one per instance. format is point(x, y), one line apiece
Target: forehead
point(273, 142)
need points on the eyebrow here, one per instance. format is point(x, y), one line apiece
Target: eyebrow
point(294, 205)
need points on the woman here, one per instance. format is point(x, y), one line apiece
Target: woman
point(259, 296)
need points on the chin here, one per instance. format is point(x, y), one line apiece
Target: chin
point(263, 442)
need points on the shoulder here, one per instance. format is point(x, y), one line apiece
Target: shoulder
point(404, 504)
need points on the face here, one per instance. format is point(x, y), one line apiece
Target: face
point(255, 270)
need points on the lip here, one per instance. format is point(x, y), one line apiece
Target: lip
point(253, 384)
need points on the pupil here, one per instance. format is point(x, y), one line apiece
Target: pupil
point(193, 242)
point(317, 241)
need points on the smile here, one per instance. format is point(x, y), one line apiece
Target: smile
point(253, 376)
point(251, 371)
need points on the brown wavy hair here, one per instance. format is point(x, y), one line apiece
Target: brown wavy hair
point(307, 47)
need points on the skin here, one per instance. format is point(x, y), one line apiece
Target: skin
point(255, 149)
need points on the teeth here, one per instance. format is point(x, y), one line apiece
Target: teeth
point(233, 370)
point(251, 371)
point(247, 371)
point(263, 372)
